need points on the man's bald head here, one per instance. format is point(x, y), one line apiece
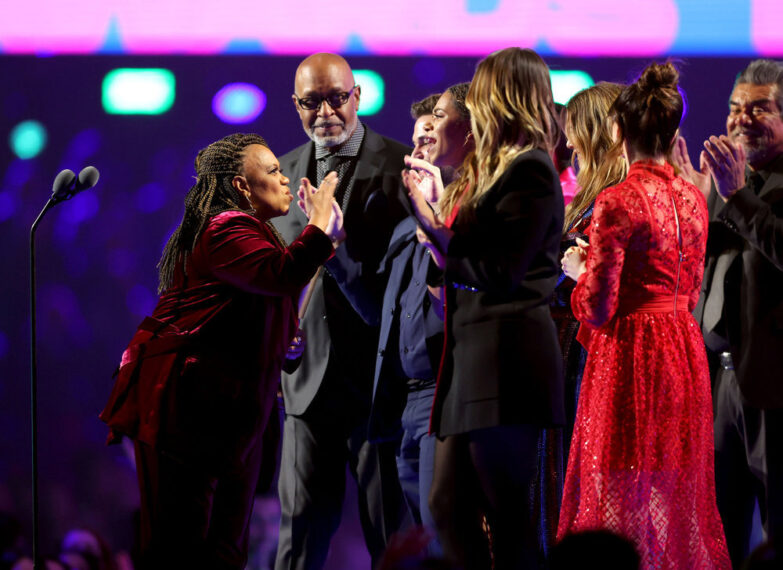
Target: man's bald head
point(320, 78)
point(321, 65)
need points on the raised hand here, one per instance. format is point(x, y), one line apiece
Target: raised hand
point(726, 162)
point(439, 234)
point(426, 177)
point(321, 208)
point(681, 159)
point(334, 229)
point(306, 189)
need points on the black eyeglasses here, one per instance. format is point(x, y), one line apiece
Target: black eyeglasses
point(335, 100)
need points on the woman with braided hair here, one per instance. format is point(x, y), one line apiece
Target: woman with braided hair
point(197, 385)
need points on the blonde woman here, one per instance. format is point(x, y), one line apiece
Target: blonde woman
point(600, 164)
point(497, 251)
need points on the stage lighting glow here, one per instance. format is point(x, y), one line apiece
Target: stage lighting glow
point(238, 103)
point(566, 84)
point(140, 300)
point(4, 344)
point(429, 72)
point(373, 91)
point(8, 205)
point(150, 197)
point(27, 139)
point(138, 91)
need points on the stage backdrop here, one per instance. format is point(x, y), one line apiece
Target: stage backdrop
point(403, 27)
point(140, 120)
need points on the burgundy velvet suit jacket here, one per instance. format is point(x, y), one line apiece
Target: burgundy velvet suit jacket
point(199, 378)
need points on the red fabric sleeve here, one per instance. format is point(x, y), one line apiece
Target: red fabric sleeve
point(241, 250)
point(595, 297)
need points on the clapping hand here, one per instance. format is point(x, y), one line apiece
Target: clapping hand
point(426, 177)
point(307, 191)
point(726, 162)
point(681, 159)
point(424, 185)
point(334, 228)
point(321, 208)
point(573, 262)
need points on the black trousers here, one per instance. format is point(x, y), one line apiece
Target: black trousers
point(191, 518)
point(317, 447)
point(490, 471)
point(748, 465)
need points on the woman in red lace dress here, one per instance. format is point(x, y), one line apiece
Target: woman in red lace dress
point(641, 460)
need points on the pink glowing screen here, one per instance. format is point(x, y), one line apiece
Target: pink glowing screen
point(403, 27)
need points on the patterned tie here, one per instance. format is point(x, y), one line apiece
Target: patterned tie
point(342, 165)
point(325, 166)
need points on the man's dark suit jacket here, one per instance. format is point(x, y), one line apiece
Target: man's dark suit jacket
point(754, 284)
point(373, 210)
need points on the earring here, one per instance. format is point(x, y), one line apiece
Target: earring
point(249, 201)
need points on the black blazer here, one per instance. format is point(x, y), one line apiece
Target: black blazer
point(503, 362)
point(753, 296)
point(374, 209)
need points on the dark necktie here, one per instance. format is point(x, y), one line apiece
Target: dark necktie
point(341, 165)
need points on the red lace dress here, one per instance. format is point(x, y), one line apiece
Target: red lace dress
point(641, 459)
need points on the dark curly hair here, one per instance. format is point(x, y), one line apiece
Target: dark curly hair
point(425, 106)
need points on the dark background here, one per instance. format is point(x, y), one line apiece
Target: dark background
point(96, 254)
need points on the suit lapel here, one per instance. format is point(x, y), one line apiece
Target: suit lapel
point(302, 165)
point(774, 182)
point(292, 224)
point(370, 163)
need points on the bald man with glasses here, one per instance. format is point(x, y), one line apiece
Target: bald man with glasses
point(327, 397)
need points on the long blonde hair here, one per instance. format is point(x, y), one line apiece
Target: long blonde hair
point(599, 159)
point(512, 111)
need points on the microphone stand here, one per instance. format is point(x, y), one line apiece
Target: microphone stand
point(34, 379)
point(66, 186)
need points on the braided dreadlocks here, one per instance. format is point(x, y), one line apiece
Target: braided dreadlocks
point(216, 166)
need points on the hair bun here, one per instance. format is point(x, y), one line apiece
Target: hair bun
point(659, 76)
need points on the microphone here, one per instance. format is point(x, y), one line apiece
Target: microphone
point(62, 183)
point(67, 184)
point(88, 177)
